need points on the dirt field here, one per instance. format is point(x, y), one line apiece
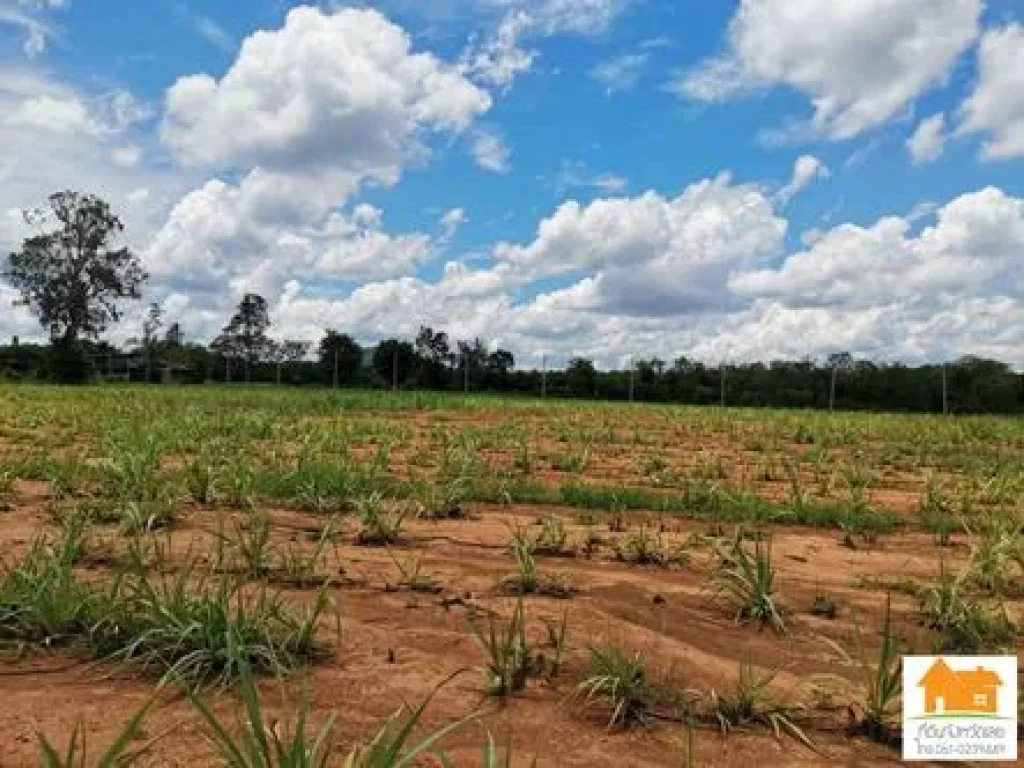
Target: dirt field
point(854, 508)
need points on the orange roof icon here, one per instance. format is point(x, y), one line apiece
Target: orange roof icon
point(968, 691)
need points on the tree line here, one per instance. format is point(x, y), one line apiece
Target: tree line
point(71, 275)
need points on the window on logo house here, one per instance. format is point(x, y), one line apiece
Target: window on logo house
point(980, 699)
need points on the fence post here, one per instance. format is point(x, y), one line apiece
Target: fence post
point(632, 377)
point(945, 392)
point(544, 377)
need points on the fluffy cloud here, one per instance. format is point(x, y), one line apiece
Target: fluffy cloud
point(864, 63)
point(652, 255)
point(685, 275)
point(502, 57)
point(206, 28)
point(452, 221)
point(342, 90)
point(317, 109)
point(268, 228)
point(929, 139)
point(973, 249)
point(806, 169)
point(499, 59)
point(577, 175)
point(996, 107)
point(54, 135)
point(552, 17)
point(491, 152)
point(127, 157)
point(620, 73)
point(28, 16)
point(465, 302)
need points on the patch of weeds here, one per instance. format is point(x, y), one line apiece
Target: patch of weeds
point(378, 527)
point(202, 476)
point(146, 552)
point(997, 561)
point(882, 681)
point(553, 540)
point(207, 633)
point(618, 676)
point(904, 585)
point(138, 517)
point(745, 579)
point(251, 544)
point(710, 467)
point(413, 576)
point(509, 660)
point(857, 480)
point(119, 753)
point(558, 641)
point(964, 624)
point(528, 580)
point(41, 600)
point(523, 461)
point(645, 547)
point(238, 481)
point(133, 470)
point(805, 435)
point(448, 501)
point(749, 703)
point(574, 462)
point(798, 496)
point(935, 514)
point(263, 743)
point(301, 568)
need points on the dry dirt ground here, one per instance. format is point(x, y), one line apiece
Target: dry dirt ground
point(396, 645)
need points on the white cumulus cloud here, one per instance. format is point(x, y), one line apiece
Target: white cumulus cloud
point(490, 151)
point(806, 169)
point(996, 107)
point(928, 141)
point(860, 63)
point(343, 90)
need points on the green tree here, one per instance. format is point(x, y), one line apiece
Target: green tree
point(435, 356)
point(72, 277)
point(472, 357)
point(341, 358)
point(150, 328)
point(499, 365)
point(394, 361)
point(581, 377)
point(286, 353)
point(245, 336)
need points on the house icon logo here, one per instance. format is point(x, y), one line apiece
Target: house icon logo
point(961, 708)
point(968, 691)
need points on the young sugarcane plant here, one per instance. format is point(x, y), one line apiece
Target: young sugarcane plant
point(509, 659)
point(746, 581)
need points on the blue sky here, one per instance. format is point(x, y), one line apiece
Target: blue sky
point(724, 180)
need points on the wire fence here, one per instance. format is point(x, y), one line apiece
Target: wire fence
point(967, 386)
